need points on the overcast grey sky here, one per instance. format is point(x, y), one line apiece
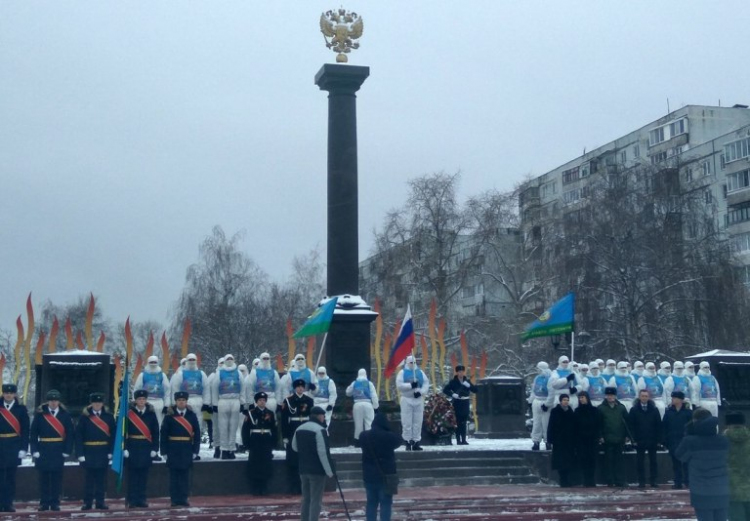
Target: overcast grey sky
point(129, 129)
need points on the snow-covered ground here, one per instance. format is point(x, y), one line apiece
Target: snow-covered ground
point(474, 444)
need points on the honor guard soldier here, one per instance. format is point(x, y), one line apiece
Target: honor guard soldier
point(141, 446)
point(180, 443)
point(14, 441)
point(259, 436)
point(51, 437)
point(295, 410)
point(95, 437)
point(460, 389)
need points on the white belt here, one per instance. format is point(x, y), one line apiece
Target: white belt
point(463, 398)
point(299, 418)
point(260, 431)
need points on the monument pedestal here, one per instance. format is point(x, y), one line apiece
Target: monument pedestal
point(501, 408)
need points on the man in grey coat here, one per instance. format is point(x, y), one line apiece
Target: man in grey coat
point(310, 442)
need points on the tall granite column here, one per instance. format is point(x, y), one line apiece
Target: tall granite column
point(348, 344)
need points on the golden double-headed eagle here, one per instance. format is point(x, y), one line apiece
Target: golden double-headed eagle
point(342, 28)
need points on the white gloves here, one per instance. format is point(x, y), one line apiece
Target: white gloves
point(455, 396)
point(466, 384)
point(125, 454)
point(21, 454)
point(286, 442)
point(35, 455)
point(153, 453)
point(109, 457)
point(66, 455)
point(82, 459)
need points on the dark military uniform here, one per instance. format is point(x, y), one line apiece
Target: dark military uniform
point(14, 439)
point(51, 437)
point(461, 405)
point(295, 410)
point(259, 436)
point(140, 445)
point(180, 442)
point(95, 437)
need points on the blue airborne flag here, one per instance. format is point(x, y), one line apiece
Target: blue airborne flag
point(558, 319)
point(118, 462)
point(319, 321)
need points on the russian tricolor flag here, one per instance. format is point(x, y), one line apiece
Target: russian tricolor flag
point(403, 345)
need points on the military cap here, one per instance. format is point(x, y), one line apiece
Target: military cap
point(460, 368)
point(299, 382)
point(317, 410)
point(610, 390)
point(53, 394)
point(181, 395)
point(678, 394)
point(141, 393)
point(10, 388)
point(261, 395)
point(96, 398)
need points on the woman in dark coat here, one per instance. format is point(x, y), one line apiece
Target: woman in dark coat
point(705, 451)
point(588, 432)
point(561, 433)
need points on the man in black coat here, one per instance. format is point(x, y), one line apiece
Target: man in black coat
point(259, 436)
point(645, 426)
point(51, 436)
point(14, 441)
point(459, 390)
point(378, 460)
point(676, 418)
point(95, 437)
point(141, 446)
point(295, 410)
point(588, 432)
point(181, 444)
point(561, 433)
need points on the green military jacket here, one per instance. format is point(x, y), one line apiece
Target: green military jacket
point(614, 422)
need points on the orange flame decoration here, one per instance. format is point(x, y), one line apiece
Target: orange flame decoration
point(425, 352)
point(53, 335)
point(128, 341)
point(39, 348)
point(199, 359)
point(100, 342)
point(291, 347)
point(17, 350)
point(375, 347)
point(137, 370)
point(311, 352)
point(118, 379)
point(186, 332)
point(89, 324)
point(150, 348)
point(454, 360)
point(433, 341)
point(165, 349)
point(280, 364)
point(464, 350)
point(27, 346)
point(68, 335)
point(2, 367)
point(79, 341)
point(386, 357)
point(443, 351)
point(483, 365)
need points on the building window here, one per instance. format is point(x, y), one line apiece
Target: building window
point(737, 150)
point(637, 151)
point(549, 189)
point(674, 151)
point(656, 136)
point(585, 171)
point(688, 174)
point(623, 156)
point(708, 196)
point(571, 196)
point(569, 176)
point(706, 166)
point(738, 214)
point(738, 181)
point(741, 242)
point(658, 158)
point(743, 274)
point(677, 128)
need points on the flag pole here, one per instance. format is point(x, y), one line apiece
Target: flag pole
point(322, 348)
point(572, 346)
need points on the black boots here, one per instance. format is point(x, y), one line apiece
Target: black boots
point(535, 446)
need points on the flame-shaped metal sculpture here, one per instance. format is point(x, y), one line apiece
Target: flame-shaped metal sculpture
point(53, 334)
point(100, 342)
point(89, 325)
point(340, 29)
point(128, 341)
point(186, 331)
